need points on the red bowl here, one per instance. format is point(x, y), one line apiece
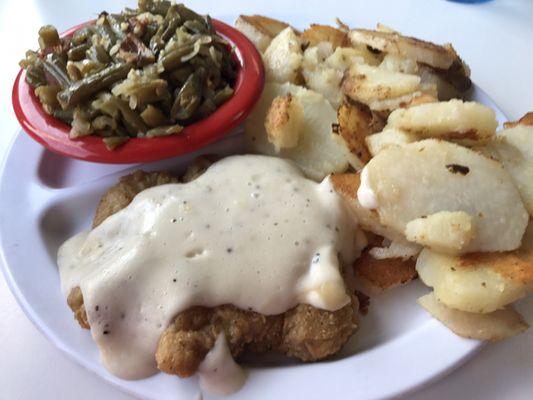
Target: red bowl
point(54, 134)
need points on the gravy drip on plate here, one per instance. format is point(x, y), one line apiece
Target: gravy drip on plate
point(252, 231)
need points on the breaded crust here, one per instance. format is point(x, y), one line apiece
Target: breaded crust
point(379, 275)
point(120, 195)
point(303, 332)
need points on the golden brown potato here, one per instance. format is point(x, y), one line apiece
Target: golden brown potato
point(324, 33)
point(284, 121)
point(355, 123)
point(259, 29)
point(526, 120)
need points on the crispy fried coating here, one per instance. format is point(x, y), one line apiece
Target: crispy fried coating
point(120, 195)
point(303, 332)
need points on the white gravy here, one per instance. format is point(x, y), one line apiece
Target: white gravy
point(252, 231)
point(219, 374)
point(365, 195)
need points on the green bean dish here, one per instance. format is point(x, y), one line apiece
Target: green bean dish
point(143, 73)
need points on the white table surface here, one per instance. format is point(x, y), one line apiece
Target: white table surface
point(494, 38)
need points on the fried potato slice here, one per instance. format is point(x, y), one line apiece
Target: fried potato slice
point(317, 33)
point(396, 63)
point(445, 231)
point(389, 137)
point(377, 275)
point(355, 124)
point(318, 153)
point(347, 185)
point(526, 120)
point(320, 77)
point(405, 46)
point(479, 282)
point(514, 147)
point(454, 120)
point(426, 94)
point(343, 57)
point(259, 29)
point(283, 57)
point(284, 121)
point(422, 178)
point(366, 83)
point(497, 325)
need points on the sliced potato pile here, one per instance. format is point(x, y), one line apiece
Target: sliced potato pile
point(419, 179)
point(436, 185)
point(318, 152)
point(380, 70)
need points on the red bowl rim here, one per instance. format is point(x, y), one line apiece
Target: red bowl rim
point(53, 134)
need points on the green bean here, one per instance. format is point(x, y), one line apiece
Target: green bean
point(188, 14)
point(104, 121)
point(115, 26)
point(207, 108)
point(222, 95)
point(56, 67)
point(164, 131)
point(83, 89)
point(104, 30)
point(154, 7)
point(157, 42)
point(97, 52)
point(77, 53)
point(132, 121)
point(48, 37)
point(64, 115)
point(188, 99)
point(180, 75)
point(112, 142)
point(82, 35)
point(35, 75)
point(153, 117)
point(173, 59)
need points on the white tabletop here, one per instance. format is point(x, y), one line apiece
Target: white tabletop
point(494, 38)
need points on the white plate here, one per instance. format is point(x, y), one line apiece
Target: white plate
point(46, 198)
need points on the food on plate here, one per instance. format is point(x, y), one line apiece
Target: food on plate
point(514, 148)
point(170, 270)
point(283, 57)
point(454, 120)
point(259, 29)
point(376, 275)
point(284, 122)
point(479, 282)
point(318, 151)
point(365, 75)
point(145, 72)
point(496, 325)
point(417, 180)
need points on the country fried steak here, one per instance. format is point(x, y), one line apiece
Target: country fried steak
point(304, 332)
